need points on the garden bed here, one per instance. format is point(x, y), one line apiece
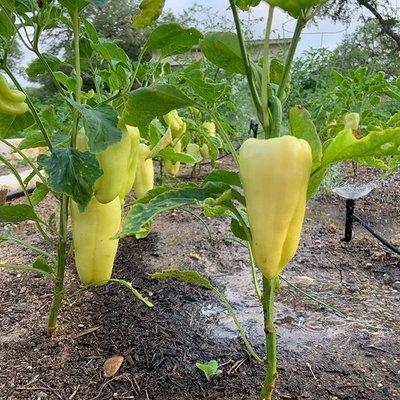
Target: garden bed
point(321, 355)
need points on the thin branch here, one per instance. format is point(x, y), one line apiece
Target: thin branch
point(386, 26)
point(26, 159)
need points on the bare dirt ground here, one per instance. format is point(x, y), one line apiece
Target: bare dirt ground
point(321, 355)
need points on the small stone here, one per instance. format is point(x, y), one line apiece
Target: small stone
point(368, 265)
point(112, 365)
point(303, 280)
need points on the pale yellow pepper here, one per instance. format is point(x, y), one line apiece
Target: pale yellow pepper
point(145, 172)
point(211, 128)
point(275, 175)
point(12, 102)
point(133, 160)
point(175, 123)
point(93, 231)
point(171, 167)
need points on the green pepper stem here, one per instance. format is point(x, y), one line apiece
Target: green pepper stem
point(301, 22)
point(270, 286)
point(246, 59)
point(265, 79)
point(61, 258)
point(78, 85)
point(59, 289)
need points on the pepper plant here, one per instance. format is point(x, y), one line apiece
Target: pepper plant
point(91, 163)
point(266, 199)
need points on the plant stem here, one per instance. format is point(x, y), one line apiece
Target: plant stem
point(31, 107)
point(26, 159)
point(246, 60)
point(254, 271)
point(23, 188)
point(61, 258)
point(50, 71)
point(78, 86)
point(226, 139)
point(247, 232)
point(63, 226)
point(232, 313)
point(265, 79)
point(289, 59)
point(313, 298)
point(29, 246)
point(270, 287)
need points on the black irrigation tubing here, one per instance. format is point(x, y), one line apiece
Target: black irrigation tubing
point(376, 234)
point(351, 216)
point(17, 194)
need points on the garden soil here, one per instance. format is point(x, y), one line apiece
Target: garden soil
point(322, 356)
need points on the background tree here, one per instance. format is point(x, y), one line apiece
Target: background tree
point(366, 47)
point(384, 12)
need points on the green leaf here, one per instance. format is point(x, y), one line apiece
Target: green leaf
point(238, 230)
point(210, 92)
point(315, 181)
point(172, 39)
point(210, 370)
point(150, 10)
point(345, 146)
point(68, 81)
point(72, 5)
point(167, 199)
point(72, 172)
point(8, 5)
point(223, 50)
point(17, 213)
point(11, 125)
point(173, 156)
point(38, 266)
point(91, 31)
point(32, 140)
point(302, 127)
point(100, 125)
point(7, 28)
point(394, 120)
point(246, 4)
point(224, 176)
point(145, 104)
point(110, 51)
point(36, 67)
point(39, 193)
point(135, 292)
point(185, 276)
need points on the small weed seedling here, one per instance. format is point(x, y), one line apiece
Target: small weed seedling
point(210, 370)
